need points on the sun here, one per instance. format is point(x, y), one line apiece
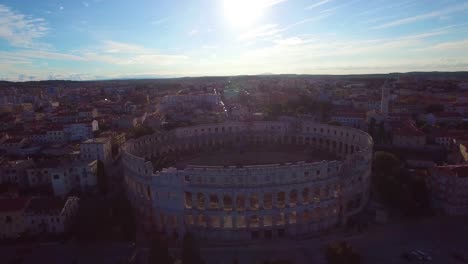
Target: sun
point(243, 13)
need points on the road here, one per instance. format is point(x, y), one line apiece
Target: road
point(382, 244)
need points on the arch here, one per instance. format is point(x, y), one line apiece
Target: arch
point(227, 202)
point(280, 199)
point(188, 200)
point(215, 221)
point(200, 201)
point(279, 219)
point(305, 195)
point(240, 221)
point(306, 216)
point(253, 200)
point(317, 194)
point(240, 202)
point(214, 201)
point(201, 220)
point(293, 198)
point(267, 220)
point(292, 217)
point(254, 221)
point(268, 200)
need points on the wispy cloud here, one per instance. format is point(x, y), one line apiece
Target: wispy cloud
point(193, 32)
point(159, 21)
point(19, 29)
point(267, 3)
point(434, 14)
point(268, 30)
point(85, 4)
point(317, 4)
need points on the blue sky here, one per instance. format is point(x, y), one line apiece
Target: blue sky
point(96, 39)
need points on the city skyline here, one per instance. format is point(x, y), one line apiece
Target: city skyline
point(99, 39)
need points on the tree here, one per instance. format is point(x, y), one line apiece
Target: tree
point(434, 108)
point(159, 252)
point(341, 253)
point(101, 178)
point(191, 250)
point(334, 123)
point(372, 126)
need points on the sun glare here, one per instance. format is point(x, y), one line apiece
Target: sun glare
point(243, 13)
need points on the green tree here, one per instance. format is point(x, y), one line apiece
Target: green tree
point(387, 177)
point(101, 177)
point(159, 252)
point(191, 250)
point(372, 127)
point(341, 253)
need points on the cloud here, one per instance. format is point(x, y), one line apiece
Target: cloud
point(435, 14)
point(20, 30)
point(193, 32)
point(160, 21)
point(61, 8)
point(85, 4)
point(317, 4)
point(120, 53)
point(267, 3)
point(268, 30)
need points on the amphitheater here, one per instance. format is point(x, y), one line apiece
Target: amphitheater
point(243, 181)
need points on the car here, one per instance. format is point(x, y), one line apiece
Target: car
point(424, 255)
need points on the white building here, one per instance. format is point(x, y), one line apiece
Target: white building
point(49, 215)
point(96, 149)
point(448, 186)
point(80, 131)
point(77, 176)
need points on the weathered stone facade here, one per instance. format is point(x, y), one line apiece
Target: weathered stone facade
point(241, 203)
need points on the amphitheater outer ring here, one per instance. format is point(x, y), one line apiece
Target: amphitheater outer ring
point(246, 203)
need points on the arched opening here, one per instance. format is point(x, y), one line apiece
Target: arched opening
point(292, 217)
point(214, 202)
point(279, 219)
point(188, 200)
point(254, 204)
point(201, 220)
point(305, 196)
point(281, 200)
point(215, 221)
point(267, 220)
point(200, 201)
point(293, 198)
point(227, 221)
point(306, 216)
point(240, 203)
point(267, 201)
point(254, 221)
point(240, 221)
point(227, 201)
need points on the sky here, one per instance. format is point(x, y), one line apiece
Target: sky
point(106, 39)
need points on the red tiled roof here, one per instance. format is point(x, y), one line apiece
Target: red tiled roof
point(13, 204)
point(453, 170)
point(447, 114)
point(41, 205)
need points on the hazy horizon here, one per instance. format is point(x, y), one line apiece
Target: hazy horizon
point(102, 39)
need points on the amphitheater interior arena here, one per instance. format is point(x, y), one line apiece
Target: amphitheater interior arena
point(243, 181)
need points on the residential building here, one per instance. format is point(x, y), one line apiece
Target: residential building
point(49, 215)
point(96, 149)
point(448, 186)
point(15, 172)
point(12, 223)
point(78, 176)
point(408, 136)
